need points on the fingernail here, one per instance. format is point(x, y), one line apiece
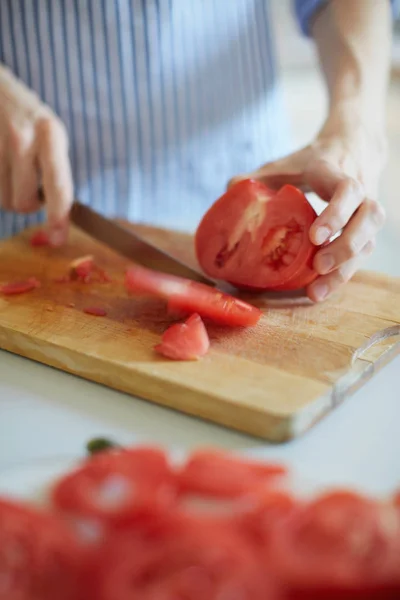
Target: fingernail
point(57, 237)
point(320, 291)
point(322, 235)
point(325, 263)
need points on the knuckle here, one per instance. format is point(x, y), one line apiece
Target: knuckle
point(351, 248)
point(50, 126)
point(20, 137)
point(339, 215)
point(376, 212)
point(342, 275)
point(355, 186)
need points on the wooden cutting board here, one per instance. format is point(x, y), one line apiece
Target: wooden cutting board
point(273, 381)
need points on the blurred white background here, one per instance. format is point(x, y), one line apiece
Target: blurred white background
point(305, 99)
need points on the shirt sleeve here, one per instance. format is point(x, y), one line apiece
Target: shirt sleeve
point(306, 9)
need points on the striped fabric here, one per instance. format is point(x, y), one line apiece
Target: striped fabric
point(164, 100)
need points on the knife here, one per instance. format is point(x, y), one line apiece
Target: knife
point(131, 245)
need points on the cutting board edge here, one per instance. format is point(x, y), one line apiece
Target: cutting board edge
point(275, 428)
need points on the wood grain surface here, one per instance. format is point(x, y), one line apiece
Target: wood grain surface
point(273, 381)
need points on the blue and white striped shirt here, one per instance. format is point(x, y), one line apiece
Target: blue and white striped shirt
point(164, 100)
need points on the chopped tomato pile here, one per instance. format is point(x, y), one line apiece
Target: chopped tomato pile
point(19, 287)
point(258, 239)
point(131, 523)
point(189, 340)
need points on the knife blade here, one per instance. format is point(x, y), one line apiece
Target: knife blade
point(130, 244)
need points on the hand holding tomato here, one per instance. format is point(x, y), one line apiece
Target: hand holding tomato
point(342, 166)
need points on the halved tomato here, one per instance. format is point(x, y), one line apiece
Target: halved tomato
point(19, 287)
point(39, 557)
point(118, 486)
point(192, 297)
point(256, 238)
point(340, 545)
point(220, 474)
point(188, 561)
point(185, 341)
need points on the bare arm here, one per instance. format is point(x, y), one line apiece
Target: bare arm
point(353, 38)
point(344, 162)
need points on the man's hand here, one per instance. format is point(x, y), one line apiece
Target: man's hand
point(33, 154)
point(342, 166)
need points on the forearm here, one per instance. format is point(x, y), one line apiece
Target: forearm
point(353, 38)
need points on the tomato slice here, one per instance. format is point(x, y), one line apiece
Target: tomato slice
point(19, 287)
point(270, 508)
point(40, 238)
point(192, 297)
point(39, 557)
point(96, 311)
point(184, 562)
point(257, 238)
point(219, 474)
point(339, 545)
point(185, 341)
point(118, 485)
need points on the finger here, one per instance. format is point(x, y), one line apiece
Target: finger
point(324, 286)
point(56, 176)
point(363, 226)
point(280, 172)
point(346, 197)
point(5, 183)
point(24, 175)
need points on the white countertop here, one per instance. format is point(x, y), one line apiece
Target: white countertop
point(47, 413)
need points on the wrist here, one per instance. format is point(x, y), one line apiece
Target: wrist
point(347, 122)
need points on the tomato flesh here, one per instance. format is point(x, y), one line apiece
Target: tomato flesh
point(39, 558)
point(19, 287)
point(192, 297)
point(96, 311)
point(257, 238)
point(221, 475)
point(185, 341)
point(188, 561)
point(340, 543)
point(117, 486)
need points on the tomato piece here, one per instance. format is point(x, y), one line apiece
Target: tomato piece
point(257, 238)
point(117, 486)
point(40, 238)
point(271, 508)
point(185, 561)
point(185, 341)
point(19, 287)
point(39, 557)
point(82, 269)
point(192, 297)
point(219, 474)
point(339, 545)
point(96, 311)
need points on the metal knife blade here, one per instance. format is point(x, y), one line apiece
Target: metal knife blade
point(131, 245)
